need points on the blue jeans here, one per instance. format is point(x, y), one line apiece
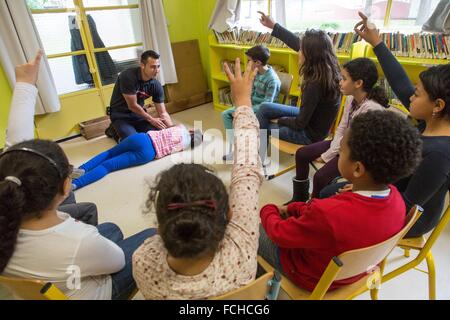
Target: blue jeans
point(127, 124)
point(133, 151)
point(123, 283)
point(269, 111)
point(331, 189)
point(269, 250)
point(227, 117)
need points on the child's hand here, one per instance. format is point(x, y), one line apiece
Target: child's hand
point(372, 36)
point(284, 214)
point(241, 85)
point(28, 72)
point(347, 187)
point(266, 21)
point(319, 160)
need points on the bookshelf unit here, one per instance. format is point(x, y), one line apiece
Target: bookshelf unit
point(288, 59)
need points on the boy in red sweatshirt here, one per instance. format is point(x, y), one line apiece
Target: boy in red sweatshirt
point(300, 239)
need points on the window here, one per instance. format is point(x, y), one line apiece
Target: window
point(82, 36)
point(406, 16)
point(249, 17)
point(409, 15)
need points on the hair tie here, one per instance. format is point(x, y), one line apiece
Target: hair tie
point(14, 180)
point(202, 203)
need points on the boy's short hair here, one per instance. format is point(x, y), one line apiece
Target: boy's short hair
point(259, 53)
point(388, 145)
point(149, 54)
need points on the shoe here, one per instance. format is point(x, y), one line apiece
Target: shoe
point(228, 157)
point(301, 191)
point(266, 162)
point(111, 133)
point(77, 172)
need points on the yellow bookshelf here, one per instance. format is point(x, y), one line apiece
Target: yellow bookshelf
point(284, 57)
point(289, 60)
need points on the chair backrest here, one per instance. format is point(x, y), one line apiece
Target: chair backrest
point(255, 290)
point(436, 231)
point(358, 261)
point(27, 289)
point(286, 84)
point(354, 262)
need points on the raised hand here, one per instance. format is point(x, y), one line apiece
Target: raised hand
point(241, 85)
point(368, 33)
point(266, 21)
point(28, 72)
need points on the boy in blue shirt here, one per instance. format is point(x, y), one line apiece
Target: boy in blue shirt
point(266, 87)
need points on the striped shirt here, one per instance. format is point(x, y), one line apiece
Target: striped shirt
point(168, 141)
point(266, 88)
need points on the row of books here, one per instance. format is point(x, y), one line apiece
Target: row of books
point(231, 65)
point(417, 45)
point(248, 37)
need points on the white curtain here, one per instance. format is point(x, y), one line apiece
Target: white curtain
point(156, 37)
point(225, 15)
point(19, 43)
point(279, 7)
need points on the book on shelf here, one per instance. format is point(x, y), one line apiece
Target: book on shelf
point(225, 96)
point(416, 45)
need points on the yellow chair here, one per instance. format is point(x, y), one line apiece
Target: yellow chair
point(255, 290)
point(346, 265)
point(27, 289)
point(423, 245)
point(286, 84)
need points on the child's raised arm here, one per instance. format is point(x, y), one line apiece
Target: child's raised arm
point(393, 70)
point(246, 176)
point(21, 114)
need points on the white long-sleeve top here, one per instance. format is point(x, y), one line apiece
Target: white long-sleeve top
point(21, 114)
point(350, 111)
point(68, 254)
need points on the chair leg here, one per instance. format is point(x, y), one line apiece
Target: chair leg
point(407, 253)
point(374, 294)
point(431, 276)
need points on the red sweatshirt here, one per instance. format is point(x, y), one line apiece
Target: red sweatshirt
point(321, 229)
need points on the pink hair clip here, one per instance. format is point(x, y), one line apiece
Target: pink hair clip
point(203, 203)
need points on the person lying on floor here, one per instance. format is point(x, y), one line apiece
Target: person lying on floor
point(137, 149)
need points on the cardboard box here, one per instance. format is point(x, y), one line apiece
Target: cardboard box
point(193, 101)
point(192, 88)
point(94, 128)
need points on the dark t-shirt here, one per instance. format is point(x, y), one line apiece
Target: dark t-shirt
point(130, 82)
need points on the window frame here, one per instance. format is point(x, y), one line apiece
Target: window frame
point(89, 51)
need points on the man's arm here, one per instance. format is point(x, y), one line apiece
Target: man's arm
point(134, 107)
point(163, 114)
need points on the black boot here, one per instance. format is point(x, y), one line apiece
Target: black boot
point(301, 191)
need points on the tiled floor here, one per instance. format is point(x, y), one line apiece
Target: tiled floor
point(120, 197)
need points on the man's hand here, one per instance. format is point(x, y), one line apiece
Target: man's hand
point(266, 21)
point(372, 36)
point(158, 123)
point(28, 72)
point(241, 85)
